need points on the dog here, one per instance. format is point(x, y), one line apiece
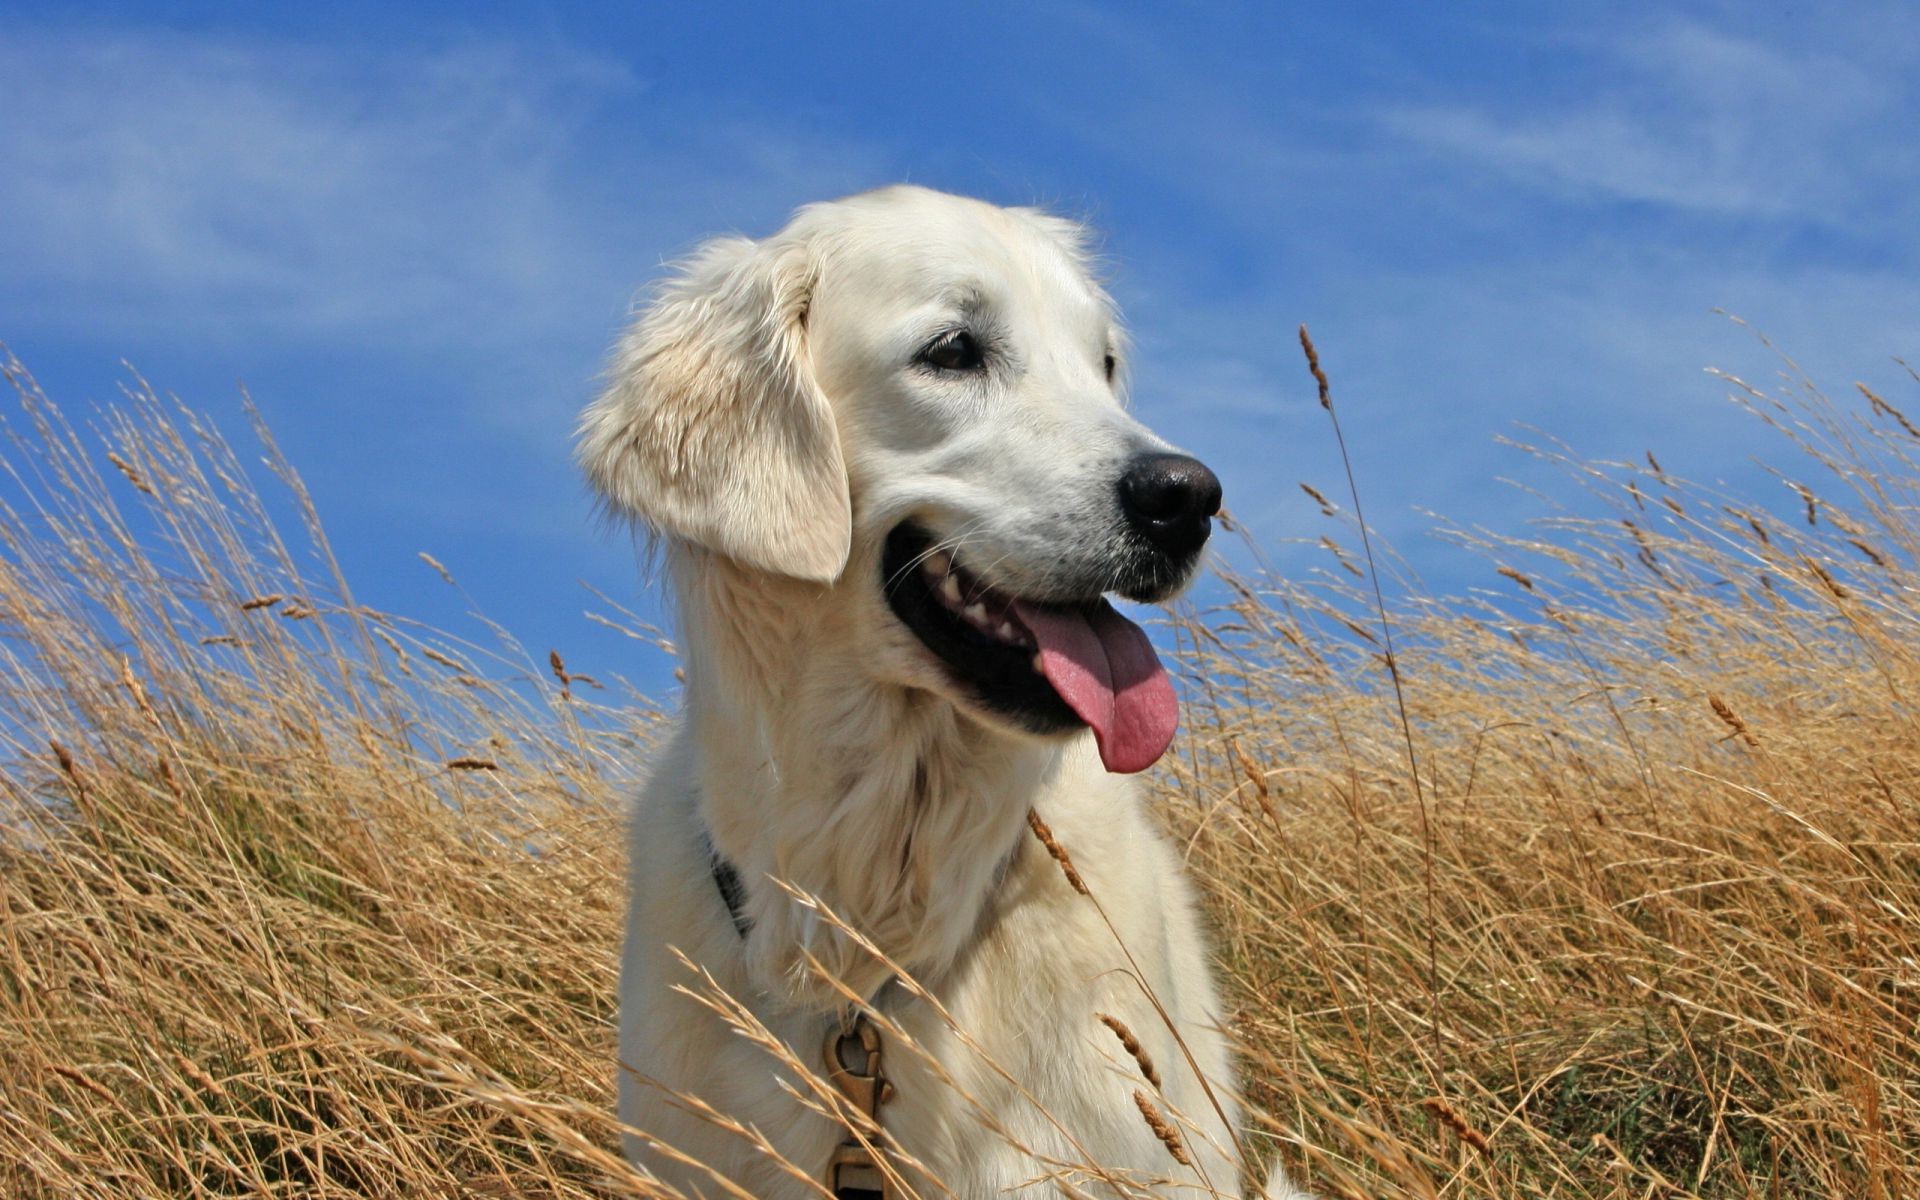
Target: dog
point(886, 458)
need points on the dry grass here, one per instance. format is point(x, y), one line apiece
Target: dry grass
point(301, 899)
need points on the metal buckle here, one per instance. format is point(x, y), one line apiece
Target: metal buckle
point(853, 1066)
point(852, 1174)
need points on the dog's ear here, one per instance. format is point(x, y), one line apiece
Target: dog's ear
point(712, 428)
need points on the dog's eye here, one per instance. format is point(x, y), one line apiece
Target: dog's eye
point(1110, 366)
point(956, 351)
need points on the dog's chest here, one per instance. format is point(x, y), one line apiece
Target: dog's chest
point(1016, 1054)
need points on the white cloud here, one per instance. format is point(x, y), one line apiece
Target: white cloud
point(1692, 118)
point(244, 187)
point(253, 186)
point(1582, 155)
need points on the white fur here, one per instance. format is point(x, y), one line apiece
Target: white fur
point(765, 418)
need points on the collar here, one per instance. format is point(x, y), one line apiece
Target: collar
point(726, 878)
point(857, 1170)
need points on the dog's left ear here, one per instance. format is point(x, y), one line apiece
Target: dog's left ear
point(712, 428)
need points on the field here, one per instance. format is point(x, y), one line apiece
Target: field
point(1603, 881)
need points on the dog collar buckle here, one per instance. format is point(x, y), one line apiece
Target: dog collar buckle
point(853, 1066)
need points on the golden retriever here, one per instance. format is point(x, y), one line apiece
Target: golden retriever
point(886, 455)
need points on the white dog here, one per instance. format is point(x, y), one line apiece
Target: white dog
point(886, 456)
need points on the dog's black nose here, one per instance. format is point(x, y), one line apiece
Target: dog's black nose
point(1170, 498)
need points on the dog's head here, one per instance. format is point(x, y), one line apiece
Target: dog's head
point(915, 399)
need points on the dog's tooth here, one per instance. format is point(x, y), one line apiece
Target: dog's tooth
point(1007, 632)
point(1037, 668)
point(950, 591)
point(939, 563)
point(976, 613)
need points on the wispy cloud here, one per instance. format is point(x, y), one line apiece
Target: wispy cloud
point(267, 188)
point(258, 187)
point(1688, 117)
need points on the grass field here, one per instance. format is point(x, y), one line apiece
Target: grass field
point(1621, 900)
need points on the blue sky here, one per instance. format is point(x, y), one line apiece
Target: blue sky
point(413, 230)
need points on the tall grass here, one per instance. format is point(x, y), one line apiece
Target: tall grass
point(299, 898)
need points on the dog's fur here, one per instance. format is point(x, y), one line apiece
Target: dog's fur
point(765, 419)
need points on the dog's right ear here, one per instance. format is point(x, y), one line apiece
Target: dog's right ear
point(712, 428)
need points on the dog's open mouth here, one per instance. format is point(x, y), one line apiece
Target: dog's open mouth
point(1049, 666)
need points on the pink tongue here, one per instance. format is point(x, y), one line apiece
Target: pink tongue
point(1104, 667)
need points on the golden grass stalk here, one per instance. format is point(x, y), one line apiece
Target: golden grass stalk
point(1044, 833)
